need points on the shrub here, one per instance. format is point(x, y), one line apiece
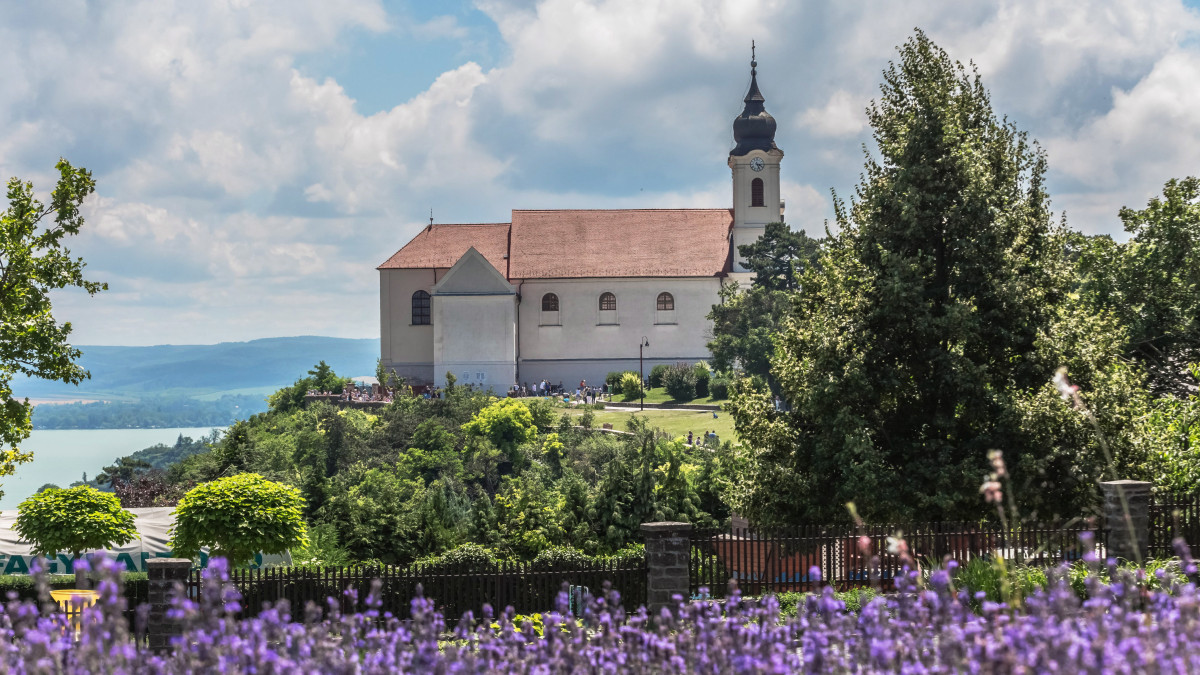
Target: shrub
point(632, 554)
point(680, 382)
point(613, 380)
point(237, 517)
point(542, 412)
point(463, 559)
point(791, 604)
point(656, 375)
point(560, 558)
point(135, 585)
point(703, 375)
point(323, 549)
point(986, 575)
point(718, 388)
point(506, 423)
point(631, 386)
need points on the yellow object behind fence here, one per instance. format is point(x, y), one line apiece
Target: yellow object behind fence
point(71, 607)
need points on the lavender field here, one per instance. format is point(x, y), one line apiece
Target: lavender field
point(1131, 623)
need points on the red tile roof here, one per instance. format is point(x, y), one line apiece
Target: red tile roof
point(560, 244)
point(620, 243)
point(441, 245)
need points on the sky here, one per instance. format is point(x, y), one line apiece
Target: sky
point(256, 160)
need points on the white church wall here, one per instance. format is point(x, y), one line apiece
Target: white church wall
point(405, 347)
point(475, 338)
point(587, 344)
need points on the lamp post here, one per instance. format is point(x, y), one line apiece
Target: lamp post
point(641, 373)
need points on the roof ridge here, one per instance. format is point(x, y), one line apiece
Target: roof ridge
point(686, 208)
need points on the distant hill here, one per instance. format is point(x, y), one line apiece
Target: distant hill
point(205, 371)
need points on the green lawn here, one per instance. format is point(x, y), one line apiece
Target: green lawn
point(659, 395)
point(674, 422)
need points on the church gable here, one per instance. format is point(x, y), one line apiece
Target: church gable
point(473, 275)
point(440, 246)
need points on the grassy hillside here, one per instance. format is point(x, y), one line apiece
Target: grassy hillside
point(254, 367)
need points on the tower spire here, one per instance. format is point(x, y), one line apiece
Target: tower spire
point(754, 99)
point(754, 128)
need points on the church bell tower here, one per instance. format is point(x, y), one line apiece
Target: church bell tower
point(755, 163)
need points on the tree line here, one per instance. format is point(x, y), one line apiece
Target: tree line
point(158, 412)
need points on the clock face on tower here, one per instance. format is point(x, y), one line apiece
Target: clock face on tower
point(756, 164)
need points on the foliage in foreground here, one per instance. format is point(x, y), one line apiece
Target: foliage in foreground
point(923, 627)
point(35, 262)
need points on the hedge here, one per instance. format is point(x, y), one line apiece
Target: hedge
point(136, 585)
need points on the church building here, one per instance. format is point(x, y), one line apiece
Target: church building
point(566, 295)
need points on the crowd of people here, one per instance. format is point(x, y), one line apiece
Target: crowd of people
point(353, 393)
point(584, 393)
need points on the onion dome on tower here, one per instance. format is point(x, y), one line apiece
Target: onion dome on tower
point(754, 129)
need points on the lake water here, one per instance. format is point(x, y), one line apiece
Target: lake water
point(62, 456)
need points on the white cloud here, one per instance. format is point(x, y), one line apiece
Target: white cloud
point(241, 197)
point(842, 115)
point(1156, 121)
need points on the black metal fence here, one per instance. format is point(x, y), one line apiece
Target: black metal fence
point(1171, 516)
point(519, 585)
point(784, 559)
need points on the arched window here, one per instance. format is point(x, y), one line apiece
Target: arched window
point(756, 192)
point(608, 302)
point(549, 302)
point(666, 301)
point(420, 308)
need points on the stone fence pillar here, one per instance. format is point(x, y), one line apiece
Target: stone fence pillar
point(163, 573)
point(667, 548)
point(1127, 518)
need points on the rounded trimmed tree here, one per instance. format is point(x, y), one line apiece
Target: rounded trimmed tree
point(238, 516)
point(74, 519)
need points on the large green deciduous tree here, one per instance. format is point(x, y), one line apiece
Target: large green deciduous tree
point(237, 517)
point(910, 338)
point(1152, 283)
point(33, 262)
point(75, 520)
